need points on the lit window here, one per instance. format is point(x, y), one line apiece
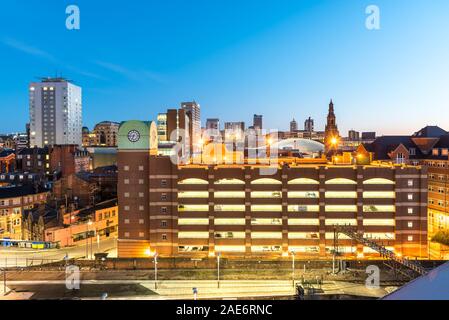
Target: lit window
point(410, 224)
point(303, 181)
point(141, 234)
point(410, 183)
point(126, 208)
point(126, 234)
point(192, 221)
point(193, 194)
point(378, 181)
point(126, 181)
point(341, 194)
point(229, 221)
point(126, 221)
point(126, 168)
point(303, 194)
point(140, 168)
point(379, 222)
point(410, 238)
point(341, 208)
point(379, 194)
point(126, 194)
point(266, 181)
point(410, 210)
point(410, 196)
point(340, 181)
point(192, 181)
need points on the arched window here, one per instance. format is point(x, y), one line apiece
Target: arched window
point(303, 181)
point(378, 181)
point(193, 181)
point(229, 181)
point(340, 181)
point(266, 181)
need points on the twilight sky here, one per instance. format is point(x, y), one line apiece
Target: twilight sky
point(282, 59)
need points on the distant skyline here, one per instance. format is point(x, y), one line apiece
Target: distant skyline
point(282, 59)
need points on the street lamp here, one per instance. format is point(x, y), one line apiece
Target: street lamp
point(218, 269)
point(155, 270)
point(293, 268)
point(88, 224)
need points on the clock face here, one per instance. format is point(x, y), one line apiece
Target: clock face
point(133, 136)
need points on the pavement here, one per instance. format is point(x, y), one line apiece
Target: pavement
point(14, 257)
point(179, 290)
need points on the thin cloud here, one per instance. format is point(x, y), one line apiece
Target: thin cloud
point(36, 52)
point(131, 74)
point(28, 49)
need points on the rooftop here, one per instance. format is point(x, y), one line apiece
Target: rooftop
point(20, 191)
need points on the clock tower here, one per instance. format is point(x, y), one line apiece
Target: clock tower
point(137, 140)
point(331, 134)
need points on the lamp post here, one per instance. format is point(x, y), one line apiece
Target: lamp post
point(155, 270)
point(89, 223)
point(218, 270)
point(293, 268)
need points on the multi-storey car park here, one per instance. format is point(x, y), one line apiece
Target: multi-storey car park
point(236, 210)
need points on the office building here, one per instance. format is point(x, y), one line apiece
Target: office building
point(293, 125)
point(55, 112)
point(309, 125)
point(353, 135)
point(193, 112)
point(257, 122)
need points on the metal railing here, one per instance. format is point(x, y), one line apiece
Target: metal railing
point(352, 233)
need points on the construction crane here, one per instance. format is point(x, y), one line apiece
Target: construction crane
point(392, 260)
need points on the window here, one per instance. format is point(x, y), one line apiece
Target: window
point(410, 196)
point(340, 181)
point(126, 208)
point(164, 197)
point(126, 194)
point(197, 221)
point(126, 181)
point(193, 194)
point(164, 237)
point(164, 210)
point(163, 223)
point(410, 224)
point(126, 168)
point(140, 168)
point(141, 195)
point(435, 152)
point(141, 208)
point(126, 221)
point(141, 221)
point(141, 234)
point(126, 234)
point(410, 210)
point(444, 152)
point(410, 238)
point(410, 183)
point(266, 181)
point(413, 151)
point(140, 181)
point(163, 183)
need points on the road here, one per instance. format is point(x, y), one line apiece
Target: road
point(15, 257)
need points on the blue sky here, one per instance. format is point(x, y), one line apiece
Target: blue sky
point(282, 59)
